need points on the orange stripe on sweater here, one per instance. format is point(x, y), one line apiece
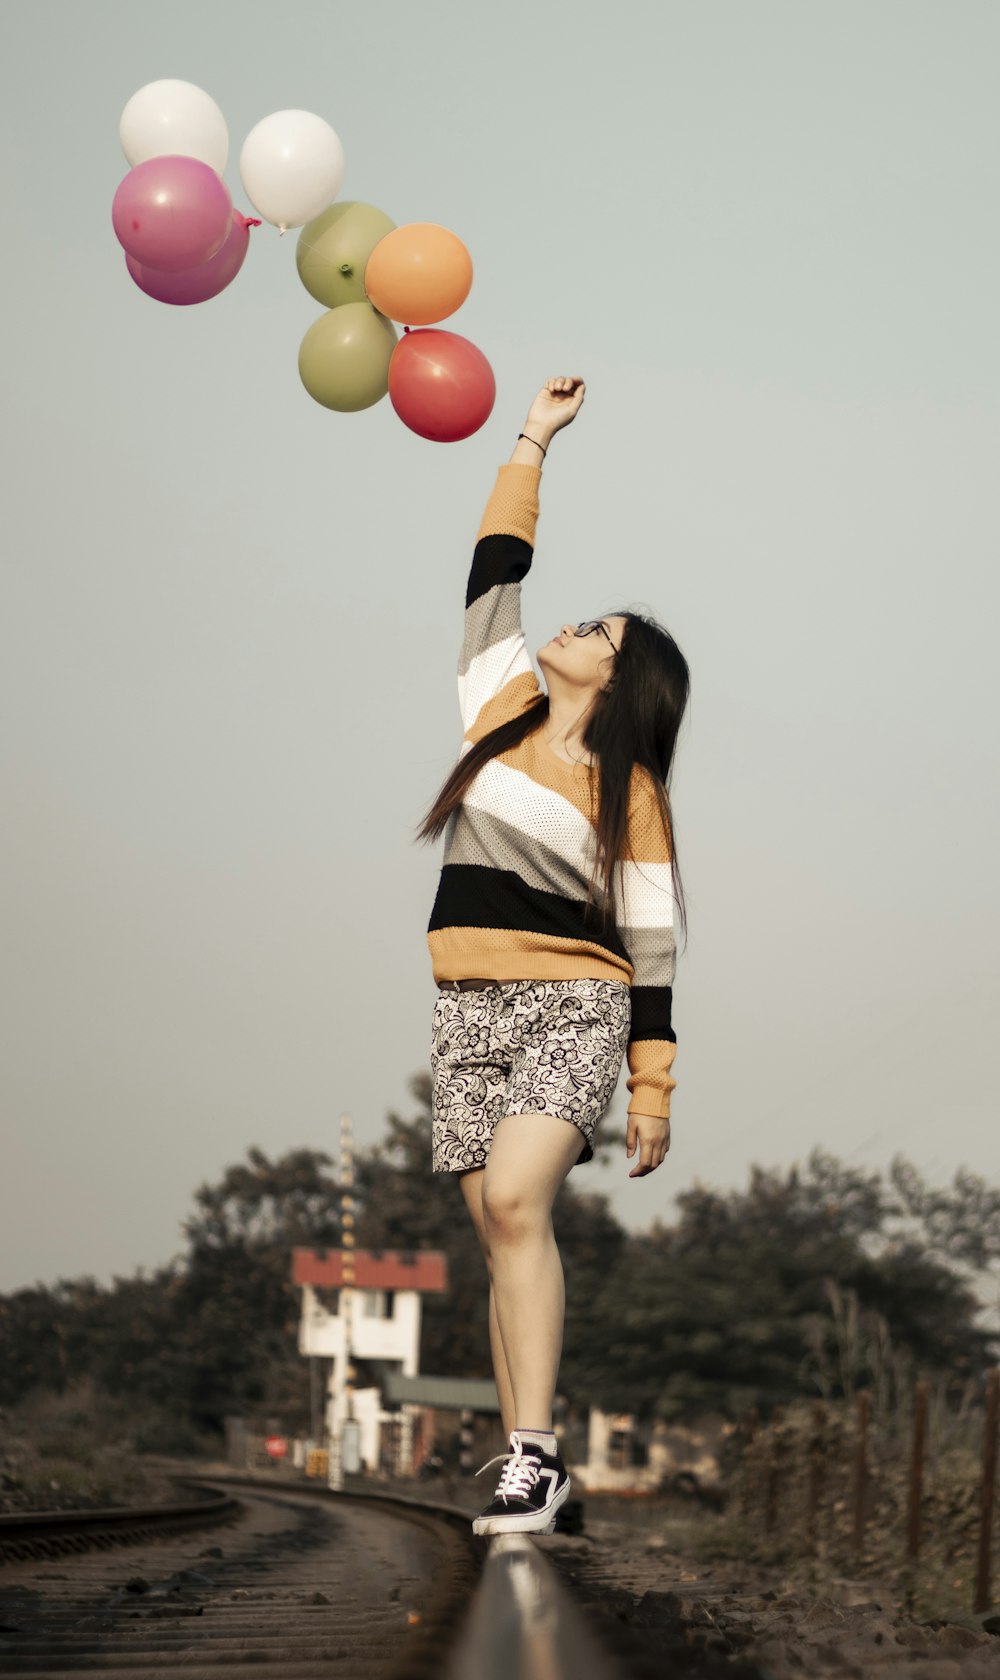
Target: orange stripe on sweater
point(512, 509)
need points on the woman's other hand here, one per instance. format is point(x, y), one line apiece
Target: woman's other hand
point(556, 405)
point(652, 1137)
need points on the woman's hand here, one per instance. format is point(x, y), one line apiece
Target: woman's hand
point(556, 405)
point(653, 1139)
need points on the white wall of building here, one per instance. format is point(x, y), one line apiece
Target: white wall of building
point(395, 1339)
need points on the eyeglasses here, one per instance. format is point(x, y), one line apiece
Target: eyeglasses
point(590, 626)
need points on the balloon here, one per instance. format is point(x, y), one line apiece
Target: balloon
point(440, 385)
point(174, 119)
point(333, 248)
point(344, 357)
point(291, 165)
point(196, 285)
point(419, 273)
point(172, 212)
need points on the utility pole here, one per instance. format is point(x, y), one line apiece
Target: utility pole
point(346, 1372)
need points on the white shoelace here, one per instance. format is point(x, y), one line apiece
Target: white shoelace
point(518, 1476)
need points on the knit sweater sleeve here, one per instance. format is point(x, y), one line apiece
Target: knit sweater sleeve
point(496, 679)
point(645, 908)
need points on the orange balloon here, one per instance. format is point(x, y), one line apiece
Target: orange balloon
point(418, 274)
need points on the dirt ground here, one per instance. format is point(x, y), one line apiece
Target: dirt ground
point(649, 1571)
point(754, 1614)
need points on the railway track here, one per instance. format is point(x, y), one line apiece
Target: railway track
point(301, 1583)
point(294, 1584)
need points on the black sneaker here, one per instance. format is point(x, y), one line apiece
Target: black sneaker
point(533, 1485)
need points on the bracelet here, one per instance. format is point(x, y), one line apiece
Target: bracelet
point(532, 440)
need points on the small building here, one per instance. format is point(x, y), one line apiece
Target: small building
point(626, 1456)
point(413, 1407)
point(384, 1319)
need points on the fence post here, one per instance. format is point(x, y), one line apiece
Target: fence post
point(917, 1469)
point(749, 1431)
point(771, 1485)
point(861, 1472)
point(817, 1447)
point(982, 1596)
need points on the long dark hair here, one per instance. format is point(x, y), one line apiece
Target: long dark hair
point(634, 720)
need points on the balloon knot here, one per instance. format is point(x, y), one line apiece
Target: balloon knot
point(406, 329)
point(254, 221)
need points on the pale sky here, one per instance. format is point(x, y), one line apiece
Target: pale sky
point(767, 236)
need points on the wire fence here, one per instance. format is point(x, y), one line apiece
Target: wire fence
point(905, 1492)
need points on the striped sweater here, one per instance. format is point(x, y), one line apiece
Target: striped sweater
point(519, 850)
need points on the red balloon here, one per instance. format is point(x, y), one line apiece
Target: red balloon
point(440, 385)
point(196, 285)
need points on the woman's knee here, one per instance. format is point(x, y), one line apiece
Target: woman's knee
point(510, 1211)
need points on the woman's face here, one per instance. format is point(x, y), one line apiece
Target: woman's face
point(584, 661)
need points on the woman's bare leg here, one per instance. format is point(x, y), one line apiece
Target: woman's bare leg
point(529, 1158)
point(472, 1190)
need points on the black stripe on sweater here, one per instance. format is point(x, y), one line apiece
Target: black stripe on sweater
point(651, 1013)
point(470, 895)
point(498, 559)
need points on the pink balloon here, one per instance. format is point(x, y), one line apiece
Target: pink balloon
point(172, 213)
point(196, 285)
point(440, 385)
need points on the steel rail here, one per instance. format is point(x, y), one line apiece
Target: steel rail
point(522, 1623)
point(29, 1535)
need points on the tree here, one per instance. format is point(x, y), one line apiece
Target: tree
point(293, 1200)
point(235, 1342)
point(793, 1284)
point(730, 1308)
point(42, 1333)
point(960, 1225)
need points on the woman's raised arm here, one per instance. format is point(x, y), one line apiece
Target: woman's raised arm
point(556, 405)
point(496, 678)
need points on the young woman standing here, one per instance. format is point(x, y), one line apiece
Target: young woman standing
point(552, 939)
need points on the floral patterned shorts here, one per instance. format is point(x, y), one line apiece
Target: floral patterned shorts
point(523, 1047)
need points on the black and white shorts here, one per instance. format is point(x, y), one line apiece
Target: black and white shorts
point(523, 1047)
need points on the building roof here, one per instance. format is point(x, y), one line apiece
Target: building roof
point(450, 1393)
point(374, 1268)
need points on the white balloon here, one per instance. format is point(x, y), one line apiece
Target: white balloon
point(292, 167)
point(174, 119)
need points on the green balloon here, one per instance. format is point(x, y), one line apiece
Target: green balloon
point(333, 250)
point(344, 357)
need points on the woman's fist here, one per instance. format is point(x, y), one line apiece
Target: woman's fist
point(557, 403)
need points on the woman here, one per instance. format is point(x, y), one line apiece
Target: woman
point(552, 939)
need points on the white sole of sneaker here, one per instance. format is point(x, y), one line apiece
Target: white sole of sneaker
point(524, 1522)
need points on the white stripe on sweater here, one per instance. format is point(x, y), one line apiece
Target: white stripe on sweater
point(644, 895)
point(536, 812)
point(488, 673)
